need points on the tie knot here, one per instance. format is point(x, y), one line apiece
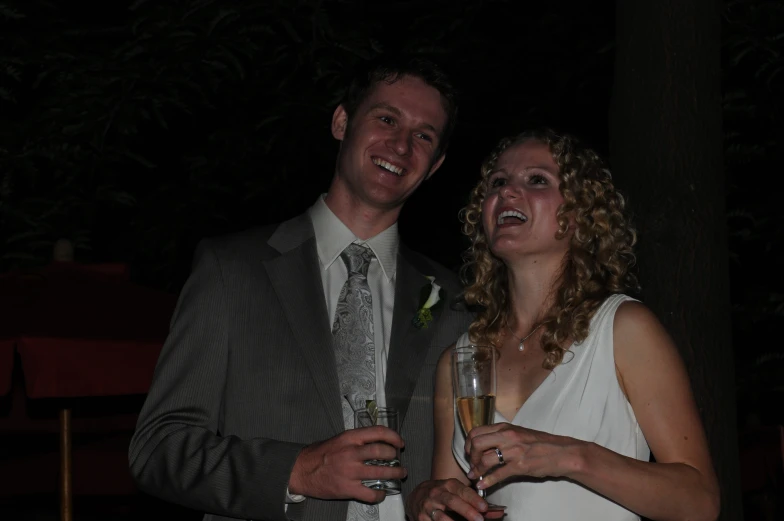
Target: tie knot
point(357, 259)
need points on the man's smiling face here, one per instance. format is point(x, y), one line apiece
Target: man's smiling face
point(389, 145)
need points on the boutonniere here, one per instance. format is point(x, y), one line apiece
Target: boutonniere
point(428, 297)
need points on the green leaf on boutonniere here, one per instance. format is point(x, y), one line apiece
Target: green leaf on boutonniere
point(423, 318)
point(429, 298)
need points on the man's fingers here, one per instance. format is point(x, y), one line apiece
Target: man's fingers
point(495, 514)
point(382, 472)
point(439, 500)
point(470, 496)
point(466, 510)
point(368, 495)
point(375, 434)
point(463, 500)
point(334, 468)
point(380, 451)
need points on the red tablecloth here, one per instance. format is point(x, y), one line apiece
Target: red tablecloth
point(58, 368)
point(81, 330)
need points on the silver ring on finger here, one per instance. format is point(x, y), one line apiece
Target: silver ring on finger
point(500, 456)
point(433, 513)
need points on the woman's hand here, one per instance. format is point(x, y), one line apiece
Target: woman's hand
point(525, 452)
point(431, 499)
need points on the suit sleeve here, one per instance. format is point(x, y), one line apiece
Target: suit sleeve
point(176, 452)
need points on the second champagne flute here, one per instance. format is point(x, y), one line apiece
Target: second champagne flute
point(474, 381)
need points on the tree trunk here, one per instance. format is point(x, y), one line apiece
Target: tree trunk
point(666, 153)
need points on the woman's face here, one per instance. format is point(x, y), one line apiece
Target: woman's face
point(519, 210)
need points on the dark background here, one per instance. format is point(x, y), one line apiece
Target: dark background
point(135, 133)
point(136, 128)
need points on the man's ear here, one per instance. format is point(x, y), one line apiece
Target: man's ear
point(436, 166)
point(339, 123)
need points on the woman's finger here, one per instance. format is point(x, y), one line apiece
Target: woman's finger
point(481, 431)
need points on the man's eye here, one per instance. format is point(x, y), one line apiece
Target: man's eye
point(386, 119)
point(425, 137)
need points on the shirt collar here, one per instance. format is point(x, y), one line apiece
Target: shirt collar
point(332, 237)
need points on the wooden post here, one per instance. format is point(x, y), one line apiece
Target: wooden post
point(666, 148)
point(63, 251)
point(66, 498)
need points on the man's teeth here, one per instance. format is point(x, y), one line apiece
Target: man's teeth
point(388, 166)
point(511, 213)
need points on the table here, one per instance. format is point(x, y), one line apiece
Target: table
point(80, 330)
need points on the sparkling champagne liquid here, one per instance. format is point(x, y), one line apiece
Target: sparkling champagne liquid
point(474, 412)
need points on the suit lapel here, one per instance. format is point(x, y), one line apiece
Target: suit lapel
point(408, 344)
point(297, 282)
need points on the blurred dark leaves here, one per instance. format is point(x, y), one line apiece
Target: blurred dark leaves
point(753, 84)
point(134, 129)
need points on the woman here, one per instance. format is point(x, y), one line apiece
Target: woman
point(588, 379)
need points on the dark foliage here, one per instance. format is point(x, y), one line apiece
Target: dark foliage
point(754, 153)
point(136, 129)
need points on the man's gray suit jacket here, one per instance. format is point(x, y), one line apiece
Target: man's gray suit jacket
point(247, 376)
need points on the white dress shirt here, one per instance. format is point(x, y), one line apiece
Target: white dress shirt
point(332, 237)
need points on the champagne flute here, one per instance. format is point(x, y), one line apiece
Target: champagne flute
point(474, 381)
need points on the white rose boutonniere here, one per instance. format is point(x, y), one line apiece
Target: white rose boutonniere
point(428, 298)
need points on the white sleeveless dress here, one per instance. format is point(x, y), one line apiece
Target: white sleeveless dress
point(581, 399)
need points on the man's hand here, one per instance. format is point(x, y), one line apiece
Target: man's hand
point(431, 500)
point(335, 468)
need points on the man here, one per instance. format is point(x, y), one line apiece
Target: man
point(249, 412)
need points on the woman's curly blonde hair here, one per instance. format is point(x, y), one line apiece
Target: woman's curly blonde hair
point(597, 264)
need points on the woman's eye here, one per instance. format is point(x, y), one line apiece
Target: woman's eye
point(538, 180)
point(497, 182)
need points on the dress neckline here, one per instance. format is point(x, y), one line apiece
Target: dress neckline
point(530, 398)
